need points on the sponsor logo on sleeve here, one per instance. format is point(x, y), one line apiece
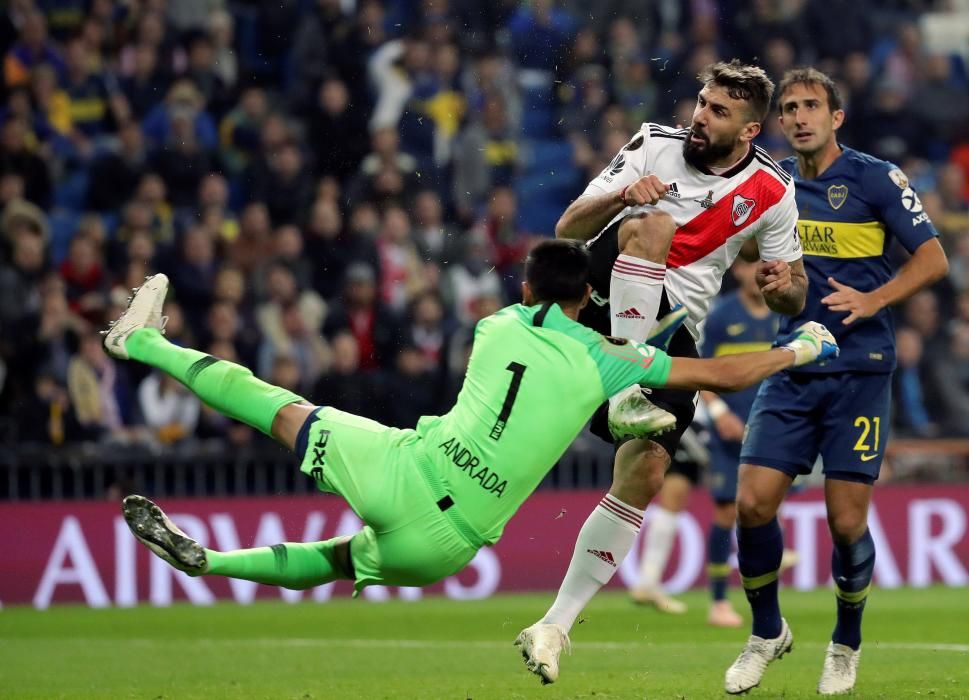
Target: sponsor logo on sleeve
point(614, 168)
point(899, 178)
point(911, 201)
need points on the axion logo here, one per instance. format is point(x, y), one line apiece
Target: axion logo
point(617, 164)
point(742, 209)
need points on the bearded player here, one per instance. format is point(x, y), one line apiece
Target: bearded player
point(663, 222)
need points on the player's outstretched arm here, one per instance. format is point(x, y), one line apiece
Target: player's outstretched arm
point(811, 342)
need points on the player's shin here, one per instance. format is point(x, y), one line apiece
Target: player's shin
point(604, 541)
point(657, 547)
point(635, 290)
point(759, 555)
point(229, 388)
point(852, 567)
point(290, 565)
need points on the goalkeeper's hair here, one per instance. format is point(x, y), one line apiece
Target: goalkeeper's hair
point(558, 270)
point(742, 82)
point(810, 76)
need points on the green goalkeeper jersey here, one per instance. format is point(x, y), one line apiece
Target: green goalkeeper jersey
point(534, 379)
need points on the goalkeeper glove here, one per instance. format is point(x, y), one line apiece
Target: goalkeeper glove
point(810, 342)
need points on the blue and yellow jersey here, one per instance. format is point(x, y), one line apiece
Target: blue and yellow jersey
point(847, 217)
point(731, 329)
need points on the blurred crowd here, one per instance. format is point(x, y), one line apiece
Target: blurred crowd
point(339, 190)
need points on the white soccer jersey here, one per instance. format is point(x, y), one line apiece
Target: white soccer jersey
point(714, 214)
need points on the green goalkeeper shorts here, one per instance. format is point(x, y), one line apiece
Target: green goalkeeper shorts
point(407, 539)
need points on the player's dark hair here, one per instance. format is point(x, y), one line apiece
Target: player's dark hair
point(810, 76)
point(558, 270)
point(742, 82)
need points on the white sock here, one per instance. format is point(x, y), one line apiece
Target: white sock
point(635, 290)
point(657, 547)
point(603, 543)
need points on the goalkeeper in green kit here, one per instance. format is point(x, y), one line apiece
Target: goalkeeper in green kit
point(431, 497)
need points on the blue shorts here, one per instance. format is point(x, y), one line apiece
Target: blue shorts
point(724, 463)
point(844, 417)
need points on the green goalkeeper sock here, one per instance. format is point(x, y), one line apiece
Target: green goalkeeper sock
point(290, 565)
point(229, 388)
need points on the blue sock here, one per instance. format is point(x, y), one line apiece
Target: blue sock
point(718, 552)
point(759, 553)
point(852, 566)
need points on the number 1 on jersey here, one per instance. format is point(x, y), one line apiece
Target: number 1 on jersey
point(517, 370)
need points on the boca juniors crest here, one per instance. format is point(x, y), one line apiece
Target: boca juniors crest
point(837, 194)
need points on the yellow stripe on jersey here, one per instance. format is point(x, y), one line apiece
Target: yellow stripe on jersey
point(737, 348)
point(839, 239)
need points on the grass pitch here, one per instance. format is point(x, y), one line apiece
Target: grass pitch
point(916, 645)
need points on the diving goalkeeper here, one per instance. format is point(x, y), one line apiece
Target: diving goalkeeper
point(431, 497)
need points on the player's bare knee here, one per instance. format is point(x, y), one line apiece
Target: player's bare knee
point(752, 510)
point(647, 236)
point(847, 526)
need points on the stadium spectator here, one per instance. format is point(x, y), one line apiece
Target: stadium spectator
point(952, 379)
point(346, 386)
point(912, 416)
point(145, 84)
point(170, 411)
point(438, 241)
point(471, 277)
point(400, 266)
point(100, 394)
point(115, 173)
point(486, 155)
point(18, 158)
point(359, 311)
point(334, 132)
point(33, 49)
point(285, 185)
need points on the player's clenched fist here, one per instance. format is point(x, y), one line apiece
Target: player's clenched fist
point(774, 277)
point(648, 189)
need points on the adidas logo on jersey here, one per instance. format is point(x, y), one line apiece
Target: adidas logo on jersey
point(631, 312)
point(742, 209)
point(605, 556)
point(673, 191)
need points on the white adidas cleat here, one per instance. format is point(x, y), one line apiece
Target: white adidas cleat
point(632, 415)
point(541, 645)
point(658, 598)
point(144, 311)
point(840, 670)
point(745, 673)
point(152, 528)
